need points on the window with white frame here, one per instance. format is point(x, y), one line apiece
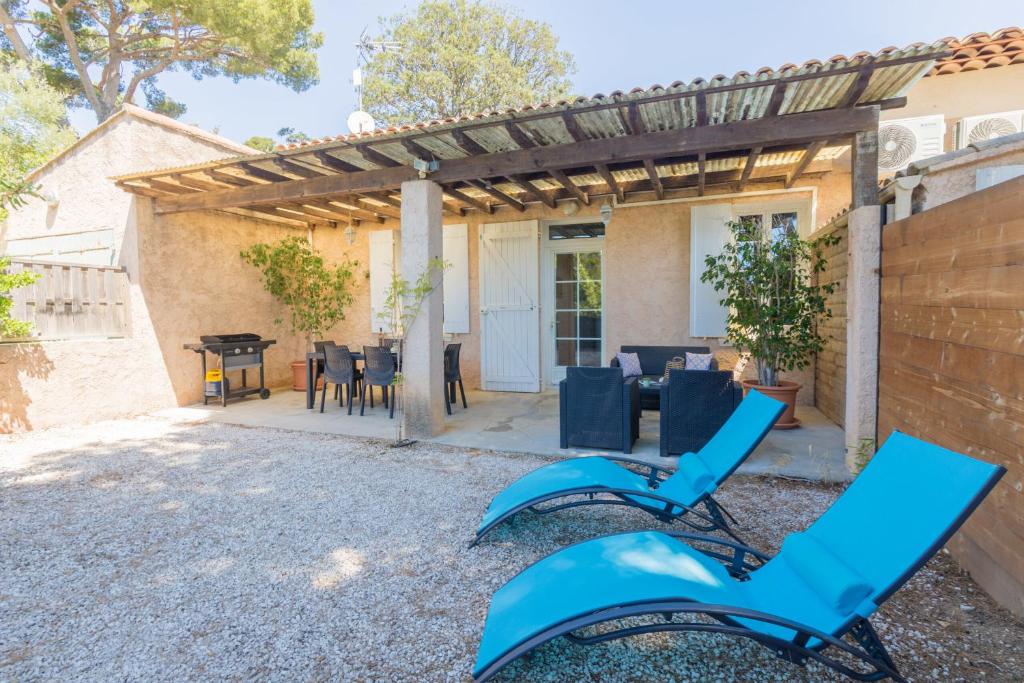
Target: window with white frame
point(709, 232)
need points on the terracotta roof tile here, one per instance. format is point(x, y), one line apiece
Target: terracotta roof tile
point(982, 51)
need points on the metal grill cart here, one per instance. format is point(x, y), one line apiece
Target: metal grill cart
point(242, 352)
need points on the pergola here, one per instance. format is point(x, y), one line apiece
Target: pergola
point(765, 129)
point(726, 134)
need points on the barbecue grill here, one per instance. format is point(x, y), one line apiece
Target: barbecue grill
point(234, 352)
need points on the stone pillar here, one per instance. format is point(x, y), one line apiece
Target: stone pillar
point(423, 361)
point(862, 306)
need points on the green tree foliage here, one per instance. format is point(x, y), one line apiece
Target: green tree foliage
point(774, 303)
point(463, 56)
point(315, 293)
point(33, 126)
point(12, 195)
point(103, 52)
point(264, 144)
point(9, 327)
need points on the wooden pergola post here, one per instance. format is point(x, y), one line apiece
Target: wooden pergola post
point(862, 302)
point(422, 362)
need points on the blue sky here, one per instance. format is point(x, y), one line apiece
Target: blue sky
point(617, 45)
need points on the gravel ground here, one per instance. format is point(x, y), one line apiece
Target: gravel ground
point(161, 551)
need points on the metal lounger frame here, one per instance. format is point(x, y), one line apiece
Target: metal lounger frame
point(713, 520)
point(871, 652)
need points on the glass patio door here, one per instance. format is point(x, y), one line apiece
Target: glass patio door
point(575, 296)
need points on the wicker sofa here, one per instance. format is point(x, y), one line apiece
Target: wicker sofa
point(598, 408)
point(694, 405)
point(652, 363)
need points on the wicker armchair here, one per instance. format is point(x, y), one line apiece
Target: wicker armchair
point(694, 405)
point(598, 409)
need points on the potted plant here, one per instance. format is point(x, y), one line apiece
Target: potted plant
point(774, 304)
point(315, 293)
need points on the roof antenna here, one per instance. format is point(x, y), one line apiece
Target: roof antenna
point(360, 121)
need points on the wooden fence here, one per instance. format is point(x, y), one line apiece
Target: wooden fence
point(72, 300)
point(951, 360)
point(830, 364)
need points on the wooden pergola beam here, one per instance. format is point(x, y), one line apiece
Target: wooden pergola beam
point(519, 136)
point(860, 84)
point(230, 178)
point(775, 102)
point(335, 163)
point(566, 182)
point(532, 190)
point(748, 167)
point(468, 144)
point(173, 188)
point(262, 173)
point(487, 187)
point(417, 150)
point(195, 183)
point(652, 175)
point(573, 126)
point(609, 179)
point(741, 135)
point(345, 212)
point(466, 199)
point(805, 161)
point(297, 169)
point(375, 157)
point(317, 212)
point(702, 167)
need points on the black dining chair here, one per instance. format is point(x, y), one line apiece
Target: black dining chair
point(319, 347)
point(339, 370)
point(378, 371)
point(452, 375)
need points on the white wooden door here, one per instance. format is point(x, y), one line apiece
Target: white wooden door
point(509, 311)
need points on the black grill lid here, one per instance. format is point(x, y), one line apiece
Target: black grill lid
point(229, 338)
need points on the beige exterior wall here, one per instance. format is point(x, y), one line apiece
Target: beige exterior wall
point(958, 177)
point(54, 383)
point(969, 93)
point(646, 270)
point(88, 201)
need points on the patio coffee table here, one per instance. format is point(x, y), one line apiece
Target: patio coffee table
point(649, 387)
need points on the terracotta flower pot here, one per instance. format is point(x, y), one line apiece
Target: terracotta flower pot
point(785, 392)
point(299, 376)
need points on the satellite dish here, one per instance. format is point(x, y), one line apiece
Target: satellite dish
point(360, 122)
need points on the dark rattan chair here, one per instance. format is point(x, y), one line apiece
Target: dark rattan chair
point(339, 370)
point(319, 346)
point(598, 409)
point(453, 375)
point(694, 405)
point(378, 371)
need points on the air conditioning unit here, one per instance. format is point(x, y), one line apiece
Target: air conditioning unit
point(980, 128)
point(902, 141)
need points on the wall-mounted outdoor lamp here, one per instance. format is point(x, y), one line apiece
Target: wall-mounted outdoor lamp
point(606, 213)
point(350, 235)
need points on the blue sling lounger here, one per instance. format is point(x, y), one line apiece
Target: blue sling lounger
point(822, 585)
point(666, 494)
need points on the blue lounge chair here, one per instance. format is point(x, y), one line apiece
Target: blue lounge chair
point(666, 494)
point(822, 585)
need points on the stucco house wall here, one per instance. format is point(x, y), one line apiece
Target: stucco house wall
point(50, 383)
point(646, 273)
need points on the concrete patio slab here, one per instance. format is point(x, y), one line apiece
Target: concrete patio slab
point(528, 423)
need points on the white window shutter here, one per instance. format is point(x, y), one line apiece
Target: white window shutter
point(382, 268)
point(709, 232)
point(456, 279)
